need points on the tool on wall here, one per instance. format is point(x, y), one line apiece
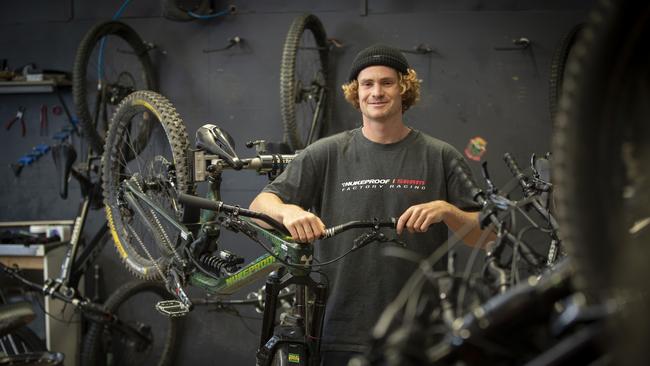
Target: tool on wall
point(20, 116)
point(43, 119)
point(35, 154)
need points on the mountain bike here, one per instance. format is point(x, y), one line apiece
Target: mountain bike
point(120, 331)
point(111, 62)
point(304, 82)
point(160, 233)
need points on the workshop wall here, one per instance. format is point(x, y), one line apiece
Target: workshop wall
point(475, 84)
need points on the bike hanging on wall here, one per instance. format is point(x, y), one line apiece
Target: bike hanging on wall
point(304, 99)
point(111, 62)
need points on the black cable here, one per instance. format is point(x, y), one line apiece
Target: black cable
point(62, 320)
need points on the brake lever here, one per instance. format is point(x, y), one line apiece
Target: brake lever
point(365, 239)
point(375, 235)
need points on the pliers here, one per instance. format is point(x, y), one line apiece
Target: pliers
point(44, 130)
point(19, 117)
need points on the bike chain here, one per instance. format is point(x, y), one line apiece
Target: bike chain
point(163, 234)
point(146, 251)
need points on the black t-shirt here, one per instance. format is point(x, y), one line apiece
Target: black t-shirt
point(348, 177)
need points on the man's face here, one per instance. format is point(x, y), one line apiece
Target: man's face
point(379, 93)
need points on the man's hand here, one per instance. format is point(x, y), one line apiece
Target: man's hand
point(304, 226)
point(418, 218)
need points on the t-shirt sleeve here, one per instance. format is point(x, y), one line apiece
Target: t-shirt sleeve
point(298, 183)
point(458, 194)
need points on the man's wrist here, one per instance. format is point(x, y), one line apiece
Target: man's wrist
point(447, 212)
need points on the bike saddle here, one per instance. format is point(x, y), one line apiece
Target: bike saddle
point(216, 141)
point(14, 316)
point(64, 156)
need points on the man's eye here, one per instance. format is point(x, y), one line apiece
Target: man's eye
point(367, 84)
point(388, 82)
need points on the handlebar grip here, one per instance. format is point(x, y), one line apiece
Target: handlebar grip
point(199, 202)
point(465, 180)
point(330, 232)
point(514, 169)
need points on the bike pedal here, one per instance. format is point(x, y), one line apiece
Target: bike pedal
point(172, 308)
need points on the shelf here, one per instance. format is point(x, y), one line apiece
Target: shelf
point(27, 87)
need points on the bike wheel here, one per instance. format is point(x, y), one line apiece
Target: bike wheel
point(134, 304)
point(111, 63)
point(558, 68)
point(303, 82)
point(145, 241)
point(602, 151)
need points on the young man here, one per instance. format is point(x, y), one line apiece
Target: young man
point(383, 169)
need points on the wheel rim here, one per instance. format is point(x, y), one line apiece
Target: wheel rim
point(148, 239)
point(112, 63)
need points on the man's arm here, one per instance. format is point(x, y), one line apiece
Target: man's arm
point(304, 226)
point(418, 218)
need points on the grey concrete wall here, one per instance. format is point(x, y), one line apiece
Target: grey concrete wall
point(469, 89)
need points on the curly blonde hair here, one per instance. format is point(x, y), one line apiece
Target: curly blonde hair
point(409, 89)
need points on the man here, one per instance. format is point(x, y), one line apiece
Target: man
point(382, 169)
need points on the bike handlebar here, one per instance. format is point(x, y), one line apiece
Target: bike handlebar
point(219, 206)
point(514, 169)
point(477, 193)
point(479, 196)
point(334, 230)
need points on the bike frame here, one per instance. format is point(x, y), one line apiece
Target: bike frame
point(297, 258)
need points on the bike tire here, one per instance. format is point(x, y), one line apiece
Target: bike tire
point(104, 347)
point(305, 47)
point(601, 152)
point(82, 82)
point(558, 68)
point(146, 244)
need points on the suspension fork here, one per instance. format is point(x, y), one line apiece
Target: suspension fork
point(271, 289)
point(315, 331)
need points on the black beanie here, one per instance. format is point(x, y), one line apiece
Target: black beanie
point(378, 54)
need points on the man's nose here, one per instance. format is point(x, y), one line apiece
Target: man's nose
point(377, 91)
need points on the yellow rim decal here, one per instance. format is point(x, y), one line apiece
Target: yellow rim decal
point(116, 239)
point(148, 106)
